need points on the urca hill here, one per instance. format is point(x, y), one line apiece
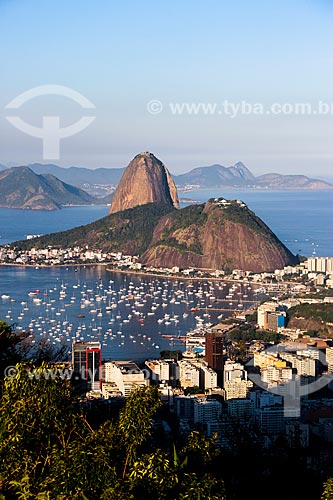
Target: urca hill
point(145, 220)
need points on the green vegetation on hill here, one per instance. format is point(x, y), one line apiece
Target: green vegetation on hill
point(193, 214)
point(189, 217)
point(321, 312)
point(246, 333)
point(171, 354)
point(198, 236)
point(315, 319)
point(130, 230)
point(20, 187)
point(242, 215)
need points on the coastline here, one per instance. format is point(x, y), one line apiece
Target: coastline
point(165, 275)
point(45, 266)
point(116, 270)
point(193, 278)
point(142, 273)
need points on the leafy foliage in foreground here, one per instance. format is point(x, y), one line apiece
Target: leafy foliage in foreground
point(48, 450)
point(22, 346)
point(328, 490)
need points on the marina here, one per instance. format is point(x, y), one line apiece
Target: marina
point(133, 317)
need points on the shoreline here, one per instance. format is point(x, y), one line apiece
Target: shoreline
point(191, 278)
point(150, 274)
point(121, 271)
point(164, 275)
point(45, 266)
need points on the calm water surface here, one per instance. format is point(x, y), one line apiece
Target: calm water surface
point(129, 315)
point(133, 316)
point(303, 220)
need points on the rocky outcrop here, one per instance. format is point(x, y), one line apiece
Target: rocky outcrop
point(216, 236)
point(145, 180)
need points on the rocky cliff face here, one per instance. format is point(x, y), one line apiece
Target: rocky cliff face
point(217, 235)
point(145, 180)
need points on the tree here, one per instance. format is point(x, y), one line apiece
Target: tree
point(192, 390)
point(328, 490)
point(38, 419)
point(22, 346)
point(9, 343)
point(49, 451)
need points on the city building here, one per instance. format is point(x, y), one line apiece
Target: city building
point(110, 390)
point(159, 369)
point(235, 382)
point(276, 320)
point(196, 342)
point(233, 371)
point(270, 419)
point(262, 313)
point(215, 348)
point(184, 407)
point(297, 434)
point(189, 374)
point(262, 399)
point(206, 410)
point(306, 366)
point(126, 375)
point(240, 409)
point(274, 375)
point(270, 317)
point(208, 377)
point(263, 359)
point(199, 412)
point(320, 265)
point(163, 370)
point(329, 359)
point(196, 371)
point(237, 388)
point(87, 364)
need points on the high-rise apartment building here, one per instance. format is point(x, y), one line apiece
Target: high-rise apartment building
point(87, 363)
point(215, 349)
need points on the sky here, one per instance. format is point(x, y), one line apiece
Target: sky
point(192, 81)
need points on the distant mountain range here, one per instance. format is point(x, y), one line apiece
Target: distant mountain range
point(102, 181)
point(20, 187)
point(239, 176)
point(97, 182)
point(48, 186)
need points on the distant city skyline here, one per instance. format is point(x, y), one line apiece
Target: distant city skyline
point(183, 80)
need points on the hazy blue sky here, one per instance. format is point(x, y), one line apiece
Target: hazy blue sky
point(123, 54)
